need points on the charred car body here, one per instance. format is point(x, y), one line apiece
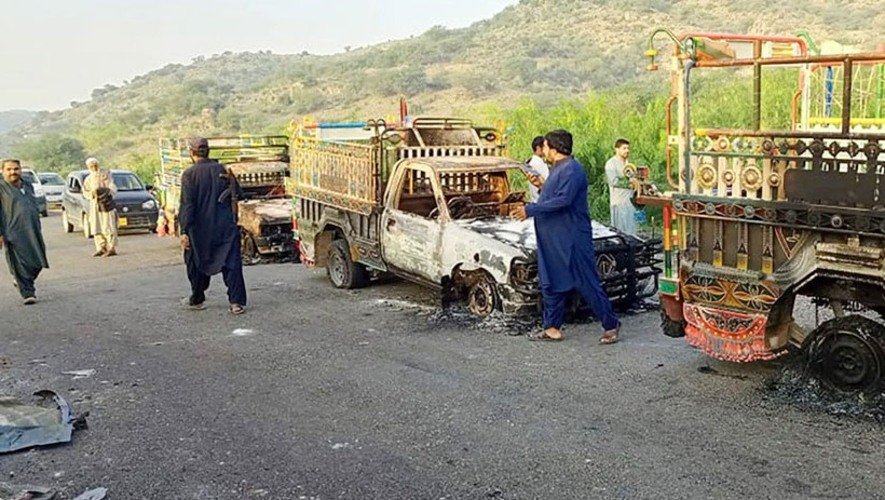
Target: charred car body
point(260, 165)
point(430, 202)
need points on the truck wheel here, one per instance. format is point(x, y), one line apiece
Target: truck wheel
point(674, 329)
point(65, 223)
point(848, 354)
point(249, 249)
point(482, 297)
point(342, 270)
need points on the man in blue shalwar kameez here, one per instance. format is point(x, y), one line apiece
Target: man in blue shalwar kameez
point(209, 233)
point(566, 257)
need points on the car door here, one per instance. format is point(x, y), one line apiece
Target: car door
point(411, 226)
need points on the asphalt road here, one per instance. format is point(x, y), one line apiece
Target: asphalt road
point(321, 393)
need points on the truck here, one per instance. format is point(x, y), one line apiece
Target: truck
point(429, 200)
point(261, 167)
point(763, 215)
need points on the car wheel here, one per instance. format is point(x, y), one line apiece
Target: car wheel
point(45, 213)
point(482, 297)
point(84, 222)
point(65, 223)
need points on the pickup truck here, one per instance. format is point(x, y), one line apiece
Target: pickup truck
point(430, 201)
point(261, 166)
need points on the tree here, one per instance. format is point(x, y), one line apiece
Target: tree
point(53, 152)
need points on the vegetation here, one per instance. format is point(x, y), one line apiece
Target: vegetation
point(526, 54)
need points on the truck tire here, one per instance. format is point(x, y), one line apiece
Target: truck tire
point(249, 248)
point(343, 272)
point(848, 354)
point(673, 329)
point(482, 297)
point(65, 223)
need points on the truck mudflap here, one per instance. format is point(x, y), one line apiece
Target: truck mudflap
point(728, 335)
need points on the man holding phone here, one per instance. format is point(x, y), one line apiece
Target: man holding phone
point(536, 169)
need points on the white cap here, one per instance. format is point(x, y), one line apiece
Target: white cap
point(91, 161)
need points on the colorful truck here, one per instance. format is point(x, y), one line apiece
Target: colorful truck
point(429, 201)
point(261, 166)
point(760, 215)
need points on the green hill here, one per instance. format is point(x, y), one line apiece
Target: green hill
point(547, 50)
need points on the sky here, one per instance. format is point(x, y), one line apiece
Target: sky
point(56, 51)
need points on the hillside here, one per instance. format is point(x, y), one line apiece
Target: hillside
point(544, 49)
point(14, 118)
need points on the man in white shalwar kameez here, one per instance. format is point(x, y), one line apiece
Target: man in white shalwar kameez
point(623, 215)
point(102, 224)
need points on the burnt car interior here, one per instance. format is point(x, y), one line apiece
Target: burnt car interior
point(468, 195)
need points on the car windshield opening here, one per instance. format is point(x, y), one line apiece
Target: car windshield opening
point(127, 182)
point(51, 180)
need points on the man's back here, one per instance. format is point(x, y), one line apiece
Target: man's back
point(202, 186)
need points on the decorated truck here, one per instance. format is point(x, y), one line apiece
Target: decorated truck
point(788, 205)
point(261, 167)
point(429, 201)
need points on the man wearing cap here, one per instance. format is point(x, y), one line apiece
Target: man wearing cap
point(20, 231)
point(99, 189)
point(209, 233)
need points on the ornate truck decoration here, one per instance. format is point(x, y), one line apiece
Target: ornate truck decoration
point(760, 215)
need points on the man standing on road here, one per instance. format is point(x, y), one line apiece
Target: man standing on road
point(539, 168)
point(20, 231)
point(99, 189)
point(209, 233)
point(623, 214)
point(566, 257)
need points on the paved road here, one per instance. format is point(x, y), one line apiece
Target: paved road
point(320, 393)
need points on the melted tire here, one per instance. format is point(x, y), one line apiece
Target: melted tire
point(672, 329)
point(482, 297)
point(847, 355)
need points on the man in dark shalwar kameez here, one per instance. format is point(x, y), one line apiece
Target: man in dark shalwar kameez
point(20, 231)
point(209, 233)
point(566, 257)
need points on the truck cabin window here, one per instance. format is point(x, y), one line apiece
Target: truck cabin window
point(474, 194)
point(416, 195)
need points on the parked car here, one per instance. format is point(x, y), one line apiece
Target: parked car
point(136, 208)
point(31, 176)
point(53, 187)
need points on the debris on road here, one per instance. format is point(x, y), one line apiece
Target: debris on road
point(25, 426)
point(78, 374)
point(242, 332)
point(95, 494)
point(10, 492)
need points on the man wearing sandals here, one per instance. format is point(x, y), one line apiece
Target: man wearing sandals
point(566, 258)
point(209, 233)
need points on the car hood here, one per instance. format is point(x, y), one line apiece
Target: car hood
point(132, 197)
point(520, 234)
point(276, 210)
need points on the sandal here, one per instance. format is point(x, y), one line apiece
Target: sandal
point(610, 336)
point(542, 335)
point(236, 309)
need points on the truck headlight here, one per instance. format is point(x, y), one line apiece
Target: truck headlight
point(523, 273)
point(148, 205)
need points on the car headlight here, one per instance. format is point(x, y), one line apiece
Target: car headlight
point(38, 191)
point(523, 273)
point(148, 205)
